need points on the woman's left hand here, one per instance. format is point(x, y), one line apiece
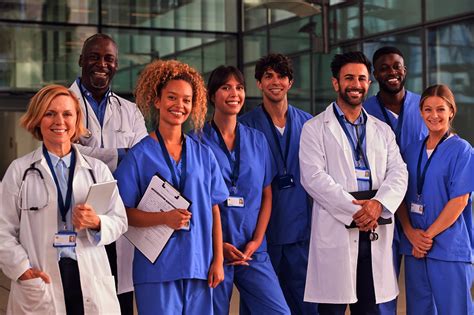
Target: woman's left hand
point(250, 248)
point(84, 217)
point(216, 274)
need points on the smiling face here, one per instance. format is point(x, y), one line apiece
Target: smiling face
point(229, 97)
point(99, 63)
point(58, 124)
point(175, 103)
point(352, 84)
point(437, 114)
point(274, 86)
point(390, 72)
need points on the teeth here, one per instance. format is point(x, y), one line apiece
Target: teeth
point(233, 103)
point(177, 113)
point(100, 74)
point(394, 80)
point(58, 130)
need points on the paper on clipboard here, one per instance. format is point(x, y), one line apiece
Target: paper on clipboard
point(99, 196)
point(159, 196)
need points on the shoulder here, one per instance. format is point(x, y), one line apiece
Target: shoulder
point(124, 102)
point(370, 102)
point(379, 125)
point(459, 144)
point(252, 116)
point(299, 113)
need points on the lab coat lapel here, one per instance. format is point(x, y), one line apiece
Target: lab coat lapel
point(335, 128)
point(371, 148)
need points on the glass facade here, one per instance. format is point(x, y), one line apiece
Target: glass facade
point(41, 43)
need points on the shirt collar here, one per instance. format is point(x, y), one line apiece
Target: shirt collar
point(55, 159)
point(86, 91)
point(358, 121)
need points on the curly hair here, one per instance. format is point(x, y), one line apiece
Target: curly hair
point(156, 76)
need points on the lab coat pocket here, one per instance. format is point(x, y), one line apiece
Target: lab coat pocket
point(30, 297)
point(106, 295)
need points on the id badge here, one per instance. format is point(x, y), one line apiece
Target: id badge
point(362, 173)
point(285, 181)
point(65, 239)
point(236, 202)
point(416, 207)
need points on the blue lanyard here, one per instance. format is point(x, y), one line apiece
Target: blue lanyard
point(63, 206)
point(284, 158)
point(356, 147)
point(420, 178)
point(235, 165)
point(182, 179)
point(398, 130)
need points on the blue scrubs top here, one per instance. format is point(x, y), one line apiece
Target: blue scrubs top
point(413, 127)
point(238, 224)
point(450, 175)
point(291, 208)
point(188, 254)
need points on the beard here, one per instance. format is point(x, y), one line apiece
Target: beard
point(392, 90)
point(351, 101)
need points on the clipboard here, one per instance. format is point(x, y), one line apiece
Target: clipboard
point(366, 195)
point(160, 196)
point(99, 195)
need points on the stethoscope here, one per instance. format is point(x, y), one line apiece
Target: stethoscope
point(109, 96)
point(24, 205)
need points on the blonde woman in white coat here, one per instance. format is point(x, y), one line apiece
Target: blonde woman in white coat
point(51, 243)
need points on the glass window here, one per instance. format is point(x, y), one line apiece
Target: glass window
point(251, 89)
point(138, 47)
point(381, 16)
point(437, 9)
point(344, 22)
point(50, 11)
point(254, 17)
point(288, 38)
point(411, 47)
point(205, 15)
point(255, 45)
point(32, 56)
point(299, 94)
point(451, 62)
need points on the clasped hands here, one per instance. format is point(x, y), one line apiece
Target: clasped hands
point(366, 218)
point(234, 257)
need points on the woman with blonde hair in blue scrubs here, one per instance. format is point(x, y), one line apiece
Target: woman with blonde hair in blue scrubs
point(245, 161)
point(436, 216)
point(182, 279)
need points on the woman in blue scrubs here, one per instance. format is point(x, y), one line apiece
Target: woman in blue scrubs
point(180, 281)
point(245, 161)
point(436, 216)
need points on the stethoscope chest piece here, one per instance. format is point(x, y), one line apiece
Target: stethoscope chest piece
point(88, 134)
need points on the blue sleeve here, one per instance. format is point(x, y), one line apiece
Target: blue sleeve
point(128, 181)
point(219, 191)
point(462, 176)
point(270, 168)
point(121, 154)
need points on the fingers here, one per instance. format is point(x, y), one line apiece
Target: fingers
point(43, 275)
point(238, 263)
point(359, 202)
point(85, 217)
point(216, 275)
point(178, 218)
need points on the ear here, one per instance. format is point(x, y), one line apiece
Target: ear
point(213, 99)
point(259, 85)
point(157, 103)
point(335, 84)
point(291, 84)
point(80, 61)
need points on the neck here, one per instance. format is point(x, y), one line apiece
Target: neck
point(97, 94)
point(393, 102)
point(350, 112)
point(225, 123)
point(277, 111)
point(170, 134)
point(60, 150)
point(434, 137)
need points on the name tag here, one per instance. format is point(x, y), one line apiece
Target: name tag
point(65, 239)
point(234, 201)
point(416, 208)
point(362, 173)
point(285, 181)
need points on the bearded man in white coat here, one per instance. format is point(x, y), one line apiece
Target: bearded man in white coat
point(344, 150)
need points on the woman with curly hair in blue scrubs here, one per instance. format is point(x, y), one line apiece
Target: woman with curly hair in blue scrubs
point(436, 216)
point(182, 279)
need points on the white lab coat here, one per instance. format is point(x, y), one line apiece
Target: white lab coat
point(26, 239)
point(327, 174)
point(103, 145)
point(124, 127)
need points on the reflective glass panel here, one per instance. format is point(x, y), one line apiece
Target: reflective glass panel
point(50, 10)
point(204, 15)
point(138, 47)
point(344, 22)
point(32, 56)
point(288, 38)
point(255, 46)
point(451, 62)
point(381, 16)
point(437, 9)
point(299, 94)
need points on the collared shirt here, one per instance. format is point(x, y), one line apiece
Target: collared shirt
point(98, 108)
point(355, 130)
